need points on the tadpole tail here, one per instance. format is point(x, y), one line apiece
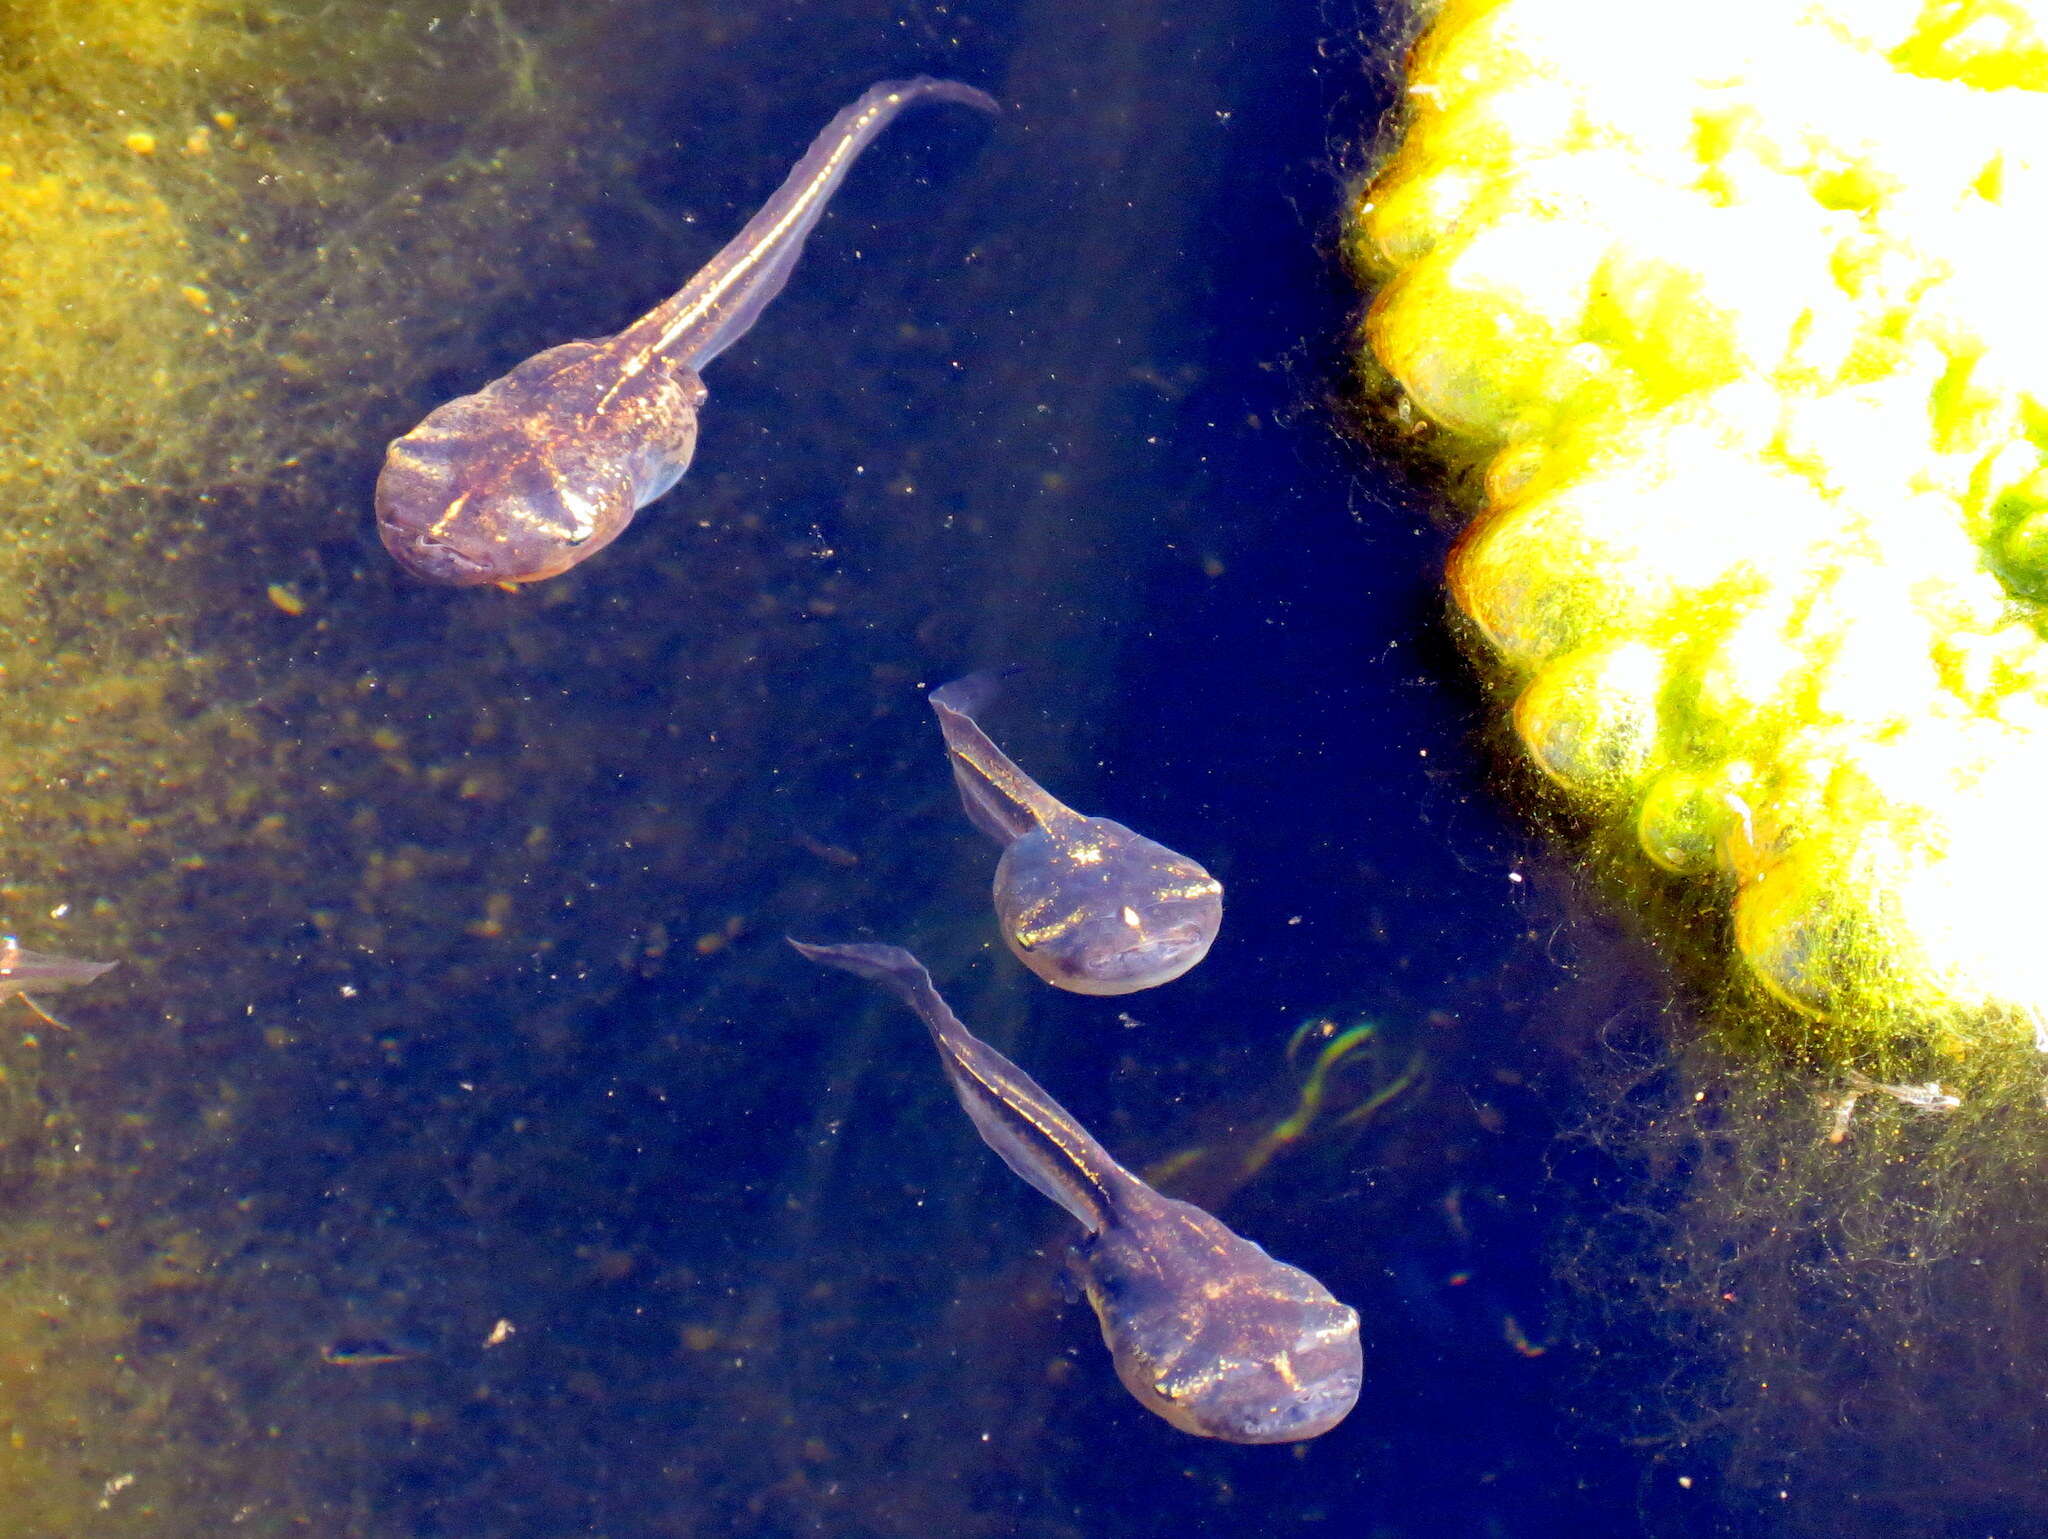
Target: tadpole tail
point(717, 306)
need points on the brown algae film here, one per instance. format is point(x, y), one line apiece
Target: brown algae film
point(1735, 313)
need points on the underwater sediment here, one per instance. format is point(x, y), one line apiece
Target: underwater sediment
point(1731, 322)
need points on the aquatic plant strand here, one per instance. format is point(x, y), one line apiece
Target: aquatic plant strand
point(1739, 309)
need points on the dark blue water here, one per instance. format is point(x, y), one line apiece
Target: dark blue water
point(1057, 393)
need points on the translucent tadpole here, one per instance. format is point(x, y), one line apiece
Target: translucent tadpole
point(43, 971)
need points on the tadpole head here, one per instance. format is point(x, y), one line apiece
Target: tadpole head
point(1214, 1335)
point(433, 560)
point(1318, 1389)
point(451, 514)
point(1111, 954)
point(1106, 911)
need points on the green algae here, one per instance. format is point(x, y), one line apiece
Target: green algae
point(1817, 1300)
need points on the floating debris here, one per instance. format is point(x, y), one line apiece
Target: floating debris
point(366, 1352)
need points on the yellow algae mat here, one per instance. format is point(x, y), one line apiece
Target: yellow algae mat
point(1737, 314)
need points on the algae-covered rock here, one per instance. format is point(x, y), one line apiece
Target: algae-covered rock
point(1736, 308)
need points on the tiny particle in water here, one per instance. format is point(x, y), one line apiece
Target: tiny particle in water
point(364, 1352)
point(1511, 1331)
point(285, 597)
point(500, 1334)
point(715, 941)
point(831, 854)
